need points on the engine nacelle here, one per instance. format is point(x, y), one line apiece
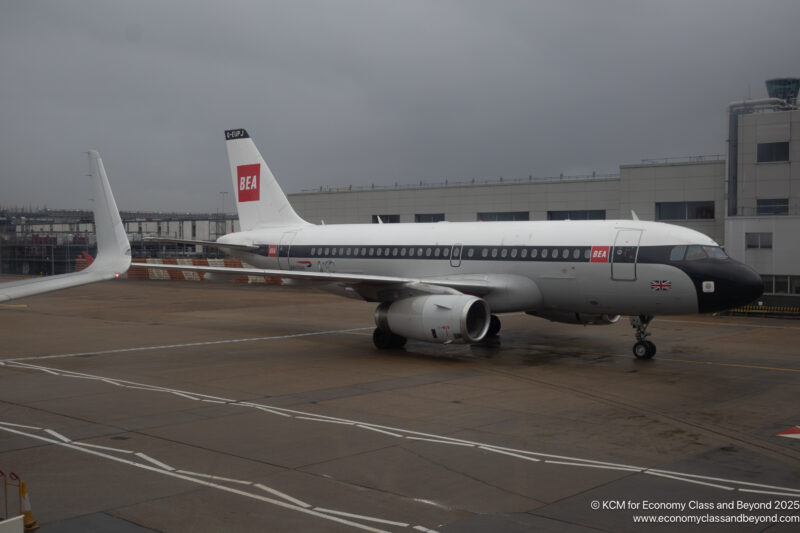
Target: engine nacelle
point(440, 318)
point(576, 318)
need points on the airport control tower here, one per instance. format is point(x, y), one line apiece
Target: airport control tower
point(784, 88)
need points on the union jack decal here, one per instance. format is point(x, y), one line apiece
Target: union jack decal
point(660, 285)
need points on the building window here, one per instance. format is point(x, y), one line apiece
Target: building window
point(386, 219)
point(758, 240)
point(504, 216)
point(772, 206)
point(429, 217)
point(586, 214)
point(769, 152)
point(684, 210)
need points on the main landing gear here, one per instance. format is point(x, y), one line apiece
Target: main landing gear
point(643, 349)
point(386, 339)
point(494, 326)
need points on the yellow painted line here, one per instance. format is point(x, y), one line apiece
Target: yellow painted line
point(736, 365)
point(13, 306)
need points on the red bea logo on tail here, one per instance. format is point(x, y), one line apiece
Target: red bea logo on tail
point(249, 178)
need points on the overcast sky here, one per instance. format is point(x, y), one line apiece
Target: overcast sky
point(359, 92)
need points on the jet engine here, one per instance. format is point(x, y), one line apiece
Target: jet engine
point(440, 318)
point(576, 318)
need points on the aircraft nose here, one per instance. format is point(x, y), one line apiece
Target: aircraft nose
point(731, 286)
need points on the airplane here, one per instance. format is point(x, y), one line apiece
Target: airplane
point(443, 282)
point(113, 249)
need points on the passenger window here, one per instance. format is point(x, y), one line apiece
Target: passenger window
point(484, 252)
point(693, 253)
point(565, 253)
point(524, 253)
point(341, 251)
point(534, 252)
point(371, 252)
point(576, 254)
point(715, 252)
point(544, 253)
point(327, 250)
point(503, 252)
point(402, 252)
point(313, 251)
point(677, 253)
point(386, 252)
point(436, 253)
point(428, 252)
point(514, 253)
point(411, 252)
point(586, 253)
point(379, 252)
point(419, 252)
point(555, 253)
point(363, 252)
point(470, 252)
point(349, 251)
point(494, 252)
point(394, 252)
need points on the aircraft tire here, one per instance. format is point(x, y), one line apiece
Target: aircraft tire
point(386, 339)
point(644, 350)
point(494, 326)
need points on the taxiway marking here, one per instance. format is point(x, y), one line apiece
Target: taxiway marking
point(184, 345)
point(163, 469)
point(418, 436)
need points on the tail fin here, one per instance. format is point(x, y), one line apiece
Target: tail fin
point(259, 199)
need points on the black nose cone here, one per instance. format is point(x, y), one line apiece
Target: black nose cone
point(726, 285)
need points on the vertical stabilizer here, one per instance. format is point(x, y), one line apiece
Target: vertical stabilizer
point(259, 199)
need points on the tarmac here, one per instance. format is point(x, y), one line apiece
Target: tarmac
point(135, 406)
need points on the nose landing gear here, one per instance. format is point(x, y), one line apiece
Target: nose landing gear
point(643, 349)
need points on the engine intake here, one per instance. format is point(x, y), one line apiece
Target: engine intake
point(576, 318)
point(437, 318)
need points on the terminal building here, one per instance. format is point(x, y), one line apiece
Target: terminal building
point(748, 200)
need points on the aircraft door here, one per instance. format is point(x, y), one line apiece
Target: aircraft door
point(284, 249)
point(455, 255)
point(624, 255)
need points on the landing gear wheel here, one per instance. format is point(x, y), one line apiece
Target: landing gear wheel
point(494, 326)
point(644, 350)
point(386, 339)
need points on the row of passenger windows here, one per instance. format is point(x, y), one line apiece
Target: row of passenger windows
point(444, 252)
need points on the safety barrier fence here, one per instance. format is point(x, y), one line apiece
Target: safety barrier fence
point(139, 270)
point(766, 310)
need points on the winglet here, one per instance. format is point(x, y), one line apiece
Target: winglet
point(113, 249)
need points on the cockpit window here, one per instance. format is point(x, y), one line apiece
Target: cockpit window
point(694, 252)
point(715, 252)
point(677, 253)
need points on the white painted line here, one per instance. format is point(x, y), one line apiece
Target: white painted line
point(218, 478)
point(200, 482)
point(185, 345)
point(772, 493)
point(569, 461)
point(723, 487)
point(99, 447)
point(154, 461)
point(19, 425)
point(520, 456)
point(51, 372)
point(697, 476)
point(362, 517)
point(58, 435)
point(268, 410)
point(187, 396)
point(440, 441)
point(590, 465)
point(315, 419)
point(283, 495)
point(109, 381)
point(425, 529)
point(362, 426)
point(209, 401)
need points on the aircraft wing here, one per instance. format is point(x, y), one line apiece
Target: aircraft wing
point(213, 244)
point(369, 287)
point(113, 249)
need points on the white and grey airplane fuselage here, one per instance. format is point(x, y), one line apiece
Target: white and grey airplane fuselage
point(611, 267)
